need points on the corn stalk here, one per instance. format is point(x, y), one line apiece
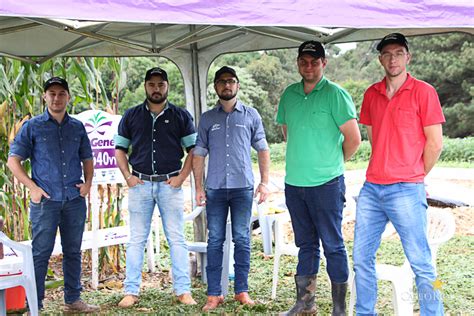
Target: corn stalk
point(21, 98)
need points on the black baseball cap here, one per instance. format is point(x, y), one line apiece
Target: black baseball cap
point(156, 71)
point(56, 80)
point(313, 48)
point(393, 38)
point(225, 70)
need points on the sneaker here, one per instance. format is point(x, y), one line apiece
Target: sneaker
point(80, 306)
point(128, 301)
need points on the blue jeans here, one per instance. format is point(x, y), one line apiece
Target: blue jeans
point(70, 217)
point(403, 204)
point(217, 209)
point(141, 203)
point(316, 214)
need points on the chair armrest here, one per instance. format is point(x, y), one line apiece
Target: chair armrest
point(195, 213)
point(14, 244)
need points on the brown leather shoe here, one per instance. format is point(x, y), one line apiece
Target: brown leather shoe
point(128, 301)
point(244, 299)
point(186, 299)
point(80, 306)
point(213, 302)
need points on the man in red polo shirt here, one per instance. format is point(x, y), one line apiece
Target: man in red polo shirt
point(403, 117)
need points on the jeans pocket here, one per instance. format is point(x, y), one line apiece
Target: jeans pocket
point(172, 187)
point(35, 203)
point(40, 203)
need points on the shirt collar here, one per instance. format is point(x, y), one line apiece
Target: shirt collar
point(238, 106)
point(318, 86)
point(381, 87)
point(148, 108)
point(46, 116)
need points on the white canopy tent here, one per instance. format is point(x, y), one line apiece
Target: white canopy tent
point(193, 33)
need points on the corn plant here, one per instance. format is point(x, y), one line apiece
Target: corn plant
point(21, 98)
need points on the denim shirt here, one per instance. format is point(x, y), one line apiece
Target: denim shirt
point(228, 138)
point(56, 151)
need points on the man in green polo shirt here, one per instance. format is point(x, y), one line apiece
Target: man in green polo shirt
point(319, 123)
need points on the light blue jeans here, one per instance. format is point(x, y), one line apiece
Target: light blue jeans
point(403, 204)
point(141, 203)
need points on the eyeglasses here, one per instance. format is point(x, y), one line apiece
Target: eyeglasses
point(230, 82)
point(389, 56)
point(314, 62)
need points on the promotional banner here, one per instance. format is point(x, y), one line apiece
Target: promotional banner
point(101, 128)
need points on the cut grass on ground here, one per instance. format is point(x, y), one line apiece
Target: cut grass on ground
point(455, 271)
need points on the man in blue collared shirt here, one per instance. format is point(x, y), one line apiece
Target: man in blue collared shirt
point(227, 134)
point(156, 131)
point(56, 144)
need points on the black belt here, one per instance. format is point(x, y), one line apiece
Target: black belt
point(155, 178)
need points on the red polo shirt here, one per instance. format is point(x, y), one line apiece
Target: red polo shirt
point(398, 139)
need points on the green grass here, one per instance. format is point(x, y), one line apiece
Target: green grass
point(454, 266)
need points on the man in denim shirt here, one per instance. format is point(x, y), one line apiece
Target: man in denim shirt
point(56, 145)
point(227, 133)
point(157, 131)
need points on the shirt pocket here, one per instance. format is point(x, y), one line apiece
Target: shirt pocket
point(320, 119)
point(72, 143)
point(44, 144)
point(406, 119)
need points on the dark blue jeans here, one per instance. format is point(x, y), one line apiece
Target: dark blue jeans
point(45, 218)
point(316, 214)
point(217, 209)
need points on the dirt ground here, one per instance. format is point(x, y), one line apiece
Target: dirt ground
point(450, 183)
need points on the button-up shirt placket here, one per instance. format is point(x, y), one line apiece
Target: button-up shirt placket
point(62, 158)
point(154, 138)
point(227, 147)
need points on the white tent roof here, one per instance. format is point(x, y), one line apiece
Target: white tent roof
point(193, 32)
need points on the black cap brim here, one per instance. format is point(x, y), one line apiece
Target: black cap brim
point(225, 70)
point(56, 81)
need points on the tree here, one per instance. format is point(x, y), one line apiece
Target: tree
point(459, 120)
point(447, 62)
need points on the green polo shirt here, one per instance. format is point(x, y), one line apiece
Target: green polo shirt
point(314, 142)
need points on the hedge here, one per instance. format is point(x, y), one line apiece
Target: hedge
point(454, 150)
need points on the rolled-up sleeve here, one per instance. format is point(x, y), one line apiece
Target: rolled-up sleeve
point(259, 141)
point(22, 144)
point(188, 139)
point(202, 145)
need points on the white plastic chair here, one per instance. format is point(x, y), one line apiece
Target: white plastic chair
point(16, 254)
point(267, 223)
point(201, 248)
point(281, 248)
point(441, 228)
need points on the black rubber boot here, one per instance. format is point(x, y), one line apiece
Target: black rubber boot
point(305, 295)
point(338, 291)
